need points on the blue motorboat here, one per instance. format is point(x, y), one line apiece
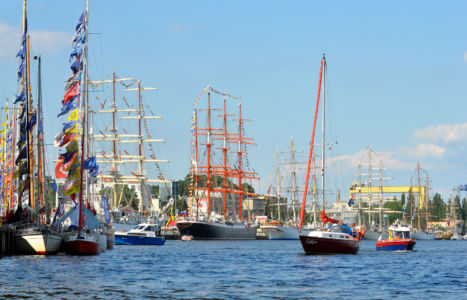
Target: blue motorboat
point(141, 234)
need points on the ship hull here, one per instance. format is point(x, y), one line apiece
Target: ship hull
point(38, 243)
point(371, 235)
point(76, 245)
point(423, 236)
point(322, 245)
point(280, 232)
point(216, 231)
point(395, 245)
point(128, 239)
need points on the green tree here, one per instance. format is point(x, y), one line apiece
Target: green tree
point(438, 208)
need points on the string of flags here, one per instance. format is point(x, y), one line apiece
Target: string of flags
point(25, 125)
point(68, 166)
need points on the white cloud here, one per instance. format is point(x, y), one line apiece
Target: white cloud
point(387, 159)
point(9, 41)
point(428, 150)
point(42, 42)
point(50, 41)
point(443, 132)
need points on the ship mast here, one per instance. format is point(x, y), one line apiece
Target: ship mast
point(140, 159)
point(278, 189)
point(307, 177)
point(114, 136)
point(84, 121)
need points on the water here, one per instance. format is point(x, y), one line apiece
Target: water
point(240, 270)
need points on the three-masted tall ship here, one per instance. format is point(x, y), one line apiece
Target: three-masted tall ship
point(218, 159)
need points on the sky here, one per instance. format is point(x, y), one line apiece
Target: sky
point(395, 80)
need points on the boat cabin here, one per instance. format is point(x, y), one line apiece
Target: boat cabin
point(399, 232)
point(145, 228)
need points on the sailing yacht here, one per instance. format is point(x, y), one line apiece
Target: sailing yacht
point(33, 236)
point(333, 237)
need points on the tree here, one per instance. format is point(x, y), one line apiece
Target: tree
point(438, 208)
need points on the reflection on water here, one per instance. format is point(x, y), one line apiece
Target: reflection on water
point(240, 269)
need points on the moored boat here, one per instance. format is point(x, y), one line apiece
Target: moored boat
point(37, 240)
point(276, 231)
point(201, 230)
point(399, 239)
point(81, 244)
point(142, 234)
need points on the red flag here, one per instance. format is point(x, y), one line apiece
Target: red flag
point(72, 92)
point(67, 138)
point(60, 171)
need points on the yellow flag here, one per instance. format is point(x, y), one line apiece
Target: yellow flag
point(73, 116)
point(3, 131)
point(72, 129)
point(4, 124)
point(6, 108)
point(74, 189)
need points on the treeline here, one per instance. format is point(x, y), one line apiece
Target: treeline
point(437, 210)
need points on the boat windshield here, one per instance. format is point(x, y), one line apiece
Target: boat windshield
point(400, 234)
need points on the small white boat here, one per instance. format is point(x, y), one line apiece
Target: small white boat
point(187, 237)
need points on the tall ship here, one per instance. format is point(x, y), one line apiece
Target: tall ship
point(332, 237)
point(131, 168)
point(218, 193)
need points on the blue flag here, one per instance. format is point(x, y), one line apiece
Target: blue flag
point(90, 163)
point(105, 205)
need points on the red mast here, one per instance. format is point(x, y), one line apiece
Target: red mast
point(302, 211)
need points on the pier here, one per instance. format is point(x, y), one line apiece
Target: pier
point(7, 240)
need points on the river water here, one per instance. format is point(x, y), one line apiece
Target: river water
point(240, 270)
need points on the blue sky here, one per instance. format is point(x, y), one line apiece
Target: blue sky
point(396, 74)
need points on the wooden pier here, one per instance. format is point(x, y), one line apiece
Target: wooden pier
point(7, 240)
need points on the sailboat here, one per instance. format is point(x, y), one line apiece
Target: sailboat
point(277, 230)
point(331, 238)
point(32, 235)
point(203, 222)
point(84, 240)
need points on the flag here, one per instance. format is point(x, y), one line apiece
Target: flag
point(73, 189)
point(72, 146)
point(105, 205)
point(67, 156)
point(32, 121)
point(90, 163)
point(54, 186)
point(72, 104)
point(72, 92)
point(73, 116)
point(60, 171)
point(80, 24)
point(351, 200)
point(21, 97)
point(67, 138)
point(22, 155)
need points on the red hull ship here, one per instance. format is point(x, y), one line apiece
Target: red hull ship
point(81, 246)
point(333, 239)
point(322, 242)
